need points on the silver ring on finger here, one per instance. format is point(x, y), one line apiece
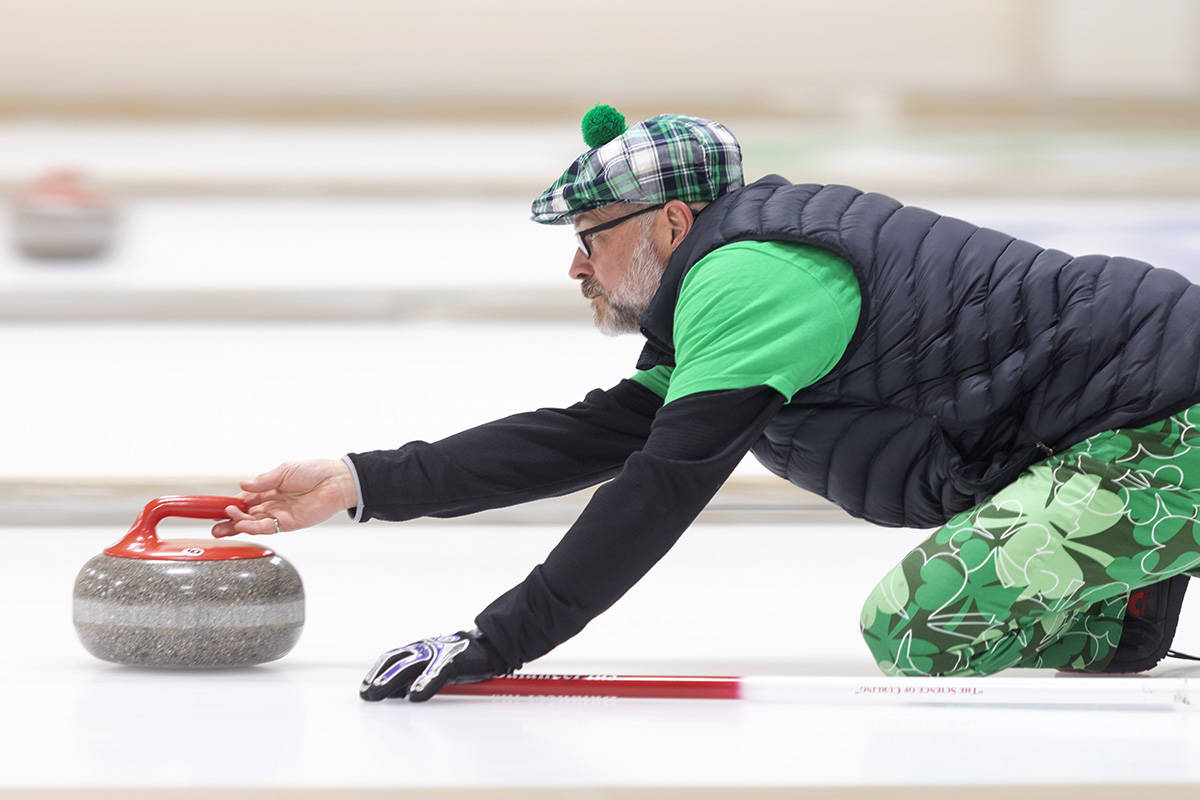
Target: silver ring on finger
point(276, 524)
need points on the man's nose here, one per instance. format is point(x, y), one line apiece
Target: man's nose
point(581, 267)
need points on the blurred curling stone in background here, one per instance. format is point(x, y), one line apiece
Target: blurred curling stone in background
point(63, 214)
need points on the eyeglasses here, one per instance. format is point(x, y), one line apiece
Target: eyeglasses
point(582, 236)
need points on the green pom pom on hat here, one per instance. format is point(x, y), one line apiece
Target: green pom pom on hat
point(601, 125)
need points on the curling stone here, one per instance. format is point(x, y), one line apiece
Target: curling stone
point(61, 215)
point(187, 602)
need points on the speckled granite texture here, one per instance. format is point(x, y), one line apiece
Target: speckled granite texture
point(188, 613)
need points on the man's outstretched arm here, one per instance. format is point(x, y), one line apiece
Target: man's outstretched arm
point(631, 522)
point(519, 458)
point(523, 457)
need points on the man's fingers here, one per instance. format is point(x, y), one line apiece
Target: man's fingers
point(420, 691)
point(236, 514)
point(260, 520)
point(266, 481)
point(258, 526)
point(229, 527)
point(263, 510)
point(281, 511)
point(251, 498)
point(391, 683)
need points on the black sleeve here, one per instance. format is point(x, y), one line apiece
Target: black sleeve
point(631, 522)
point(524, 457)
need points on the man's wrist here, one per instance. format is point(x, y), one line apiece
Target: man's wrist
point(351, 488)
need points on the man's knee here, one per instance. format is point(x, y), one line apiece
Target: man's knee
point(891, 625)
point(900, 638)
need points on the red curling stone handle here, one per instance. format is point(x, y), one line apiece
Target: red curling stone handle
point(193, 506)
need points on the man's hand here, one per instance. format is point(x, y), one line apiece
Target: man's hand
point(296, 494)
point(419, 670)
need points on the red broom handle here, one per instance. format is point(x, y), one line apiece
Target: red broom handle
point(671, 686)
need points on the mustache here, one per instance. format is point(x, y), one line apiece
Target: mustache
point(591, 289)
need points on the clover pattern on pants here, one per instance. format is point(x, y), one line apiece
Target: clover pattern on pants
point(1039, 574)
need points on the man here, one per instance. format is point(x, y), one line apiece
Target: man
point(1039, 410)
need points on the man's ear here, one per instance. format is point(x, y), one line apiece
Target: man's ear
point(679, 222)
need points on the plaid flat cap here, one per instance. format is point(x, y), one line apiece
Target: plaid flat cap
point(668, 157)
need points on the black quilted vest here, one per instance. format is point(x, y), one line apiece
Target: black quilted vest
point(976, 354)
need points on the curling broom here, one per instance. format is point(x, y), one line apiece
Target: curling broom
point(1080, 692)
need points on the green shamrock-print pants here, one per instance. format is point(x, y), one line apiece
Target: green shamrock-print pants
point(1039, 575)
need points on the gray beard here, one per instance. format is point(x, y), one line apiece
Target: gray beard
point(628, 301)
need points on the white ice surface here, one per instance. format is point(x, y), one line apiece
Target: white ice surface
point(752, 599)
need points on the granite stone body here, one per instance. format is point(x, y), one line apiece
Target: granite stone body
point(63, 214)
point(164, 613)
point(66, 232)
